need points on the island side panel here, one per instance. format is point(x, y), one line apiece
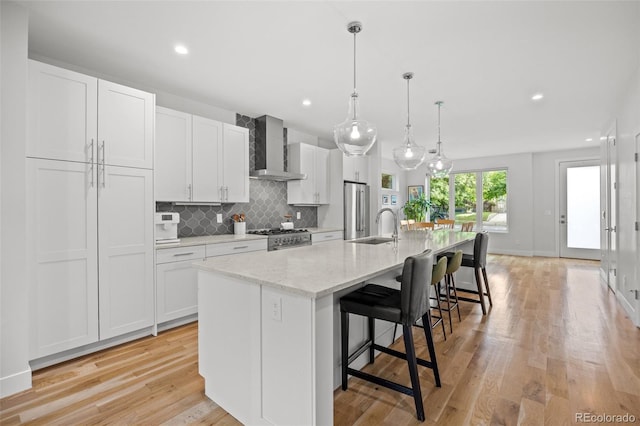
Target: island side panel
point(229, 344)
point(296, 358)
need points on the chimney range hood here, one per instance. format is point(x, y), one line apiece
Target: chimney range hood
point(270, 151)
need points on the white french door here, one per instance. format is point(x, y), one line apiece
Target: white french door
point(579, 209)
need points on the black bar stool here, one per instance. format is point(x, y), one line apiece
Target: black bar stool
point(477, 261)
point(404, 306)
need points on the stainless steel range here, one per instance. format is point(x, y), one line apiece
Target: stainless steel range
point(278, 239)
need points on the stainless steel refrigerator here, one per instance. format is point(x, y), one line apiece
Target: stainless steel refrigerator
point(356, 210)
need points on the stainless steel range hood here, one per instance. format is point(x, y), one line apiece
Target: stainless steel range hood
point(270, 151)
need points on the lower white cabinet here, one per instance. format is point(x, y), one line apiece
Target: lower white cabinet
point(177, 282)
point(321, 237)
point(235, 247)
point(89, 253)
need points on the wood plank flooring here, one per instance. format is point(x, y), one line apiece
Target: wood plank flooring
point(555, 343)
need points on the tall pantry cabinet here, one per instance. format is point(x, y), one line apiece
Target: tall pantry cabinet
point(89, 209)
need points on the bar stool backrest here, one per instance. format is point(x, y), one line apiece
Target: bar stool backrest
point(455, 262)
point(480, 250)
point(415, 288)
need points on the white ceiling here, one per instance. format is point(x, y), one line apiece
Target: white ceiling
point(483, 59)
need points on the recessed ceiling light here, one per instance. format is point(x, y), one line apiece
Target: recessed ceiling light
point(306, 102)
point(182, 50)
point(537, 97)
point(588, 139)
point(603, 138)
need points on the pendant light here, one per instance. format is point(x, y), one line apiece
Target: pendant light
point(439, 165)
point(354, 136)
point(409, 155)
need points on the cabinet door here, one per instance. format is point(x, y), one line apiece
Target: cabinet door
point(125, 125)
point(62, 253)
point(235, 164)
point(301, 159)
point(176, 290)
point(349, 168)
point(62, 114)
point(207, 149)
point(172, 155)
point(125, 242)
point(322, 175)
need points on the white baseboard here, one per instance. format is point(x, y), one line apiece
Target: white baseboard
point(545, 253)
point(526, 253)
point(15, 383)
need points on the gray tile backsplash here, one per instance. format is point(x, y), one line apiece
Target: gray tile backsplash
point(266, 208)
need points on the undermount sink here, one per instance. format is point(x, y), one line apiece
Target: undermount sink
point(374, 240)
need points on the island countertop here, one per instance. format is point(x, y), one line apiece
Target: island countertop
point(318, 270)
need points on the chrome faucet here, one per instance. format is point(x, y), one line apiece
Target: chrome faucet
point(395, 222)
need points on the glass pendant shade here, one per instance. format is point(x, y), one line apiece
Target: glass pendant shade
point(439, 165)
point(409, 155)
point(354, 136)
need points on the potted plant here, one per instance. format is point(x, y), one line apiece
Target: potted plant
point(416, 209)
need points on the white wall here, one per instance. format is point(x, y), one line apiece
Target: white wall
point(15, 374)
point(546, 196)
point(400, 191)
point(627, 117)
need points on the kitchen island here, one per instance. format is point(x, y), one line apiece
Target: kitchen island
point(268, 322)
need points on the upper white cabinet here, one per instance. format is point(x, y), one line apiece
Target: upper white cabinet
point(355, 169)
point(75, 117)
point(235, 164)
point(206, 153)
point(200, 160)
point(314, 161)
point(173, 155)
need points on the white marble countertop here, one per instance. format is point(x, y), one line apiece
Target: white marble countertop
point(318, 270)
point(318, 230)
point(210, 239)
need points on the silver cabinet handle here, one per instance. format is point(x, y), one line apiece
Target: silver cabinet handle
point(183, 254)
point(240, 247)
point(91, 169)
point(190, 192)
point(104, 173)
point(226, 193)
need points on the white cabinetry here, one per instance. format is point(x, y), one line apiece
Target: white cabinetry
point(223, 249)
point(89, 209)
point(177, 282)
point(314, 161)
point(200, 160)
point(321, 237)
point(75, 117)
point(355, 169)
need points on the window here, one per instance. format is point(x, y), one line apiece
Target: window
point(477, 196)
point(439, 197)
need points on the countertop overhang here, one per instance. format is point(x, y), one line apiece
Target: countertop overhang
point(318, 270)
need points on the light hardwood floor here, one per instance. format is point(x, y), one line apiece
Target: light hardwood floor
point(555, 343)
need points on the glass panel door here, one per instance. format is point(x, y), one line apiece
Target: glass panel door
point(580, 209)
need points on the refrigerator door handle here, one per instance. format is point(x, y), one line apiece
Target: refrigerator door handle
point(362, 211)
point(358, 207)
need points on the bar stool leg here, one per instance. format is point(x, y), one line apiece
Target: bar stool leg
point(486, 284)
point(455, 295)
point(426, 319)
point(413, 370)
point(344, 333)
point(446, 285)
point(372, 337)
point(480, 291)
point(444, 332)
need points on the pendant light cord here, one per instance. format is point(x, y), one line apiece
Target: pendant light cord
point(408, 111)
point(354, 62)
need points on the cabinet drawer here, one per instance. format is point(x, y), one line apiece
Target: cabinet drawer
point(326, 236)
point(222, 249)
point(179, 254)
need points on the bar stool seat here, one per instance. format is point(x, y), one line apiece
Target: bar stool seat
point(405, 307)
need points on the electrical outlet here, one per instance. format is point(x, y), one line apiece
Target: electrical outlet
point(219, 217)
point(276, 308)
point(298, 215)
